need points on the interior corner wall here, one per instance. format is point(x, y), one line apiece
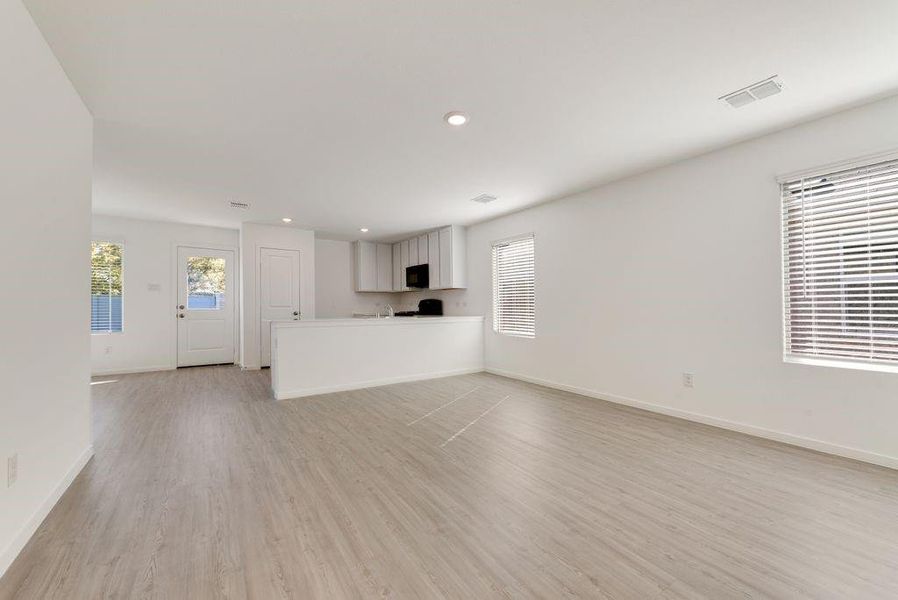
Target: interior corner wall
point(254, 237)
point(45, 191)
point(148, 340)
point(679, 270)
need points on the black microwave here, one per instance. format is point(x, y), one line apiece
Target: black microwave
point(417, 277)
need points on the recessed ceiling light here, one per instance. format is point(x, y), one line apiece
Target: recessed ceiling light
point(484, 199)
point(456, 118)
point(287, 220)
point(364, 230)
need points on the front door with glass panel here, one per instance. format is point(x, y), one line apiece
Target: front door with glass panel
point(205, 308)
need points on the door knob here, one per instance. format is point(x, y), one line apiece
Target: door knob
point(180, 307)
point(295, 313)
point(181, 315)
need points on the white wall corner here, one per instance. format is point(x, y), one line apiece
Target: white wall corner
point(9, 554)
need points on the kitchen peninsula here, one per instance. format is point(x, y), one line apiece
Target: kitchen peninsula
point(329, 355)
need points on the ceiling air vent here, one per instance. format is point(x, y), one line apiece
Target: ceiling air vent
point(756, 91)
point(240, 205)
point(484, 199)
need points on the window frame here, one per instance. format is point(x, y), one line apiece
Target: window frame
point(495, 284)
point(809, 359)
point(101, 239)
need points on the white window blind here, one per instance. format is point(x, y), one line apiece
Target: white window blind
point(106, 287)
point(840, 263)
point(514, 298)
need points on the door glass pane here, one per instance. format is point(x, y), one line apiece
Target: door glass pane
point(205, 283)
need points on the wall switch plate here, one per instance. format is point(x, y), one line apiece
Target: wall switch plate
point(108, 349)
point(154, 287)
point(688, 380)
point(12, 469)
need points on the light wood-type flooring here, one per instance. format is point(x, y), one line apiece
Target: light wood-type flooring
point(473, 487)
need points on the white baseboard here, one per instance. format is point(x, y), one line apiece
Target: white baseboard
point(12, 551)
point(300, 393)
point(778, 436)
point(107, 372)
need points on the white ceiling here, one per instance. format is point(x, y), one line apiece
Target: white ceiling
point(330, 111)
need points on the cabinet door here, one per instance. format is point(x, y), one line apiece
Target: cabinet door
point(433, 259)
point(422, 249)
point(446, 258)
point(397, 268)
point(413, 252)
point(384, 268)
point(366, 267)
point(403, 258)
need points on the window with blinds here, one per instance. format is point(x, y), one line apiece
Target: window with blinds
point(514, 298)
point(840, 264)
point(105, 287)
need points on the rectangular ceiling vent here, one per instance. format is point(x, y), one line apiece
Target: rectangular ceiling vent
point(484, 199)
point(756, 91)
point(240, 205)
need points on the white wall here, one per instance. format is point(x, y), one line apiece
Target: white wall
point(148, 341)
point(253, 237)
point(679, 269)
point(45, 188)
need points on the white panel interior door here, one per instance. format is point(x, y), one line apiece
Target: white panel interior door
point(206, 315)
point(279, 293)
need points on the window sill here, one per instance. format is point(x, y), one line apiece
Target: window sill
point(841, 363)
point(514, 335)
point(107, 332)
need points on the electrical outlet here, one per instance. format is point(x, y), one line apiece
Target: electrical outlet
point(12, 469)
point(688, 380)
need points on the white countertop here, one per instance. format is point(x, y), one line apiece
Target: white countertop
point(373, 322)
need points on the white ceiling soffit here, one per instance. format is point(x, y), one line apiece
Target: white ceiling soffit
point(331, 112)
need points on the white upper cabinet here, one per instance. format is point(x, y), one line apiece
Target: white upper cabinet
point(365, 267)
point(445, 252)
point(453, 257)
point(398, 272)
point(384, 267)
point(403, 264)
point(381, 267)
point(413, 252)
point(422, 249)
point(373, 267)
point(433, 259)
